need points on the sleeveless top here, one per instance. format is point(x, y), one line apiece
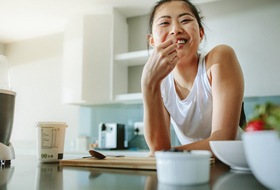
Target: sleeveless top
point(191, 118)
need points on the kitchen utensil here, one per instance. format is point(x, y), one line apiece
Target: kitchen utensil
point(96, 154)
point(230, 153)
point(101, 156)
point(7, 105)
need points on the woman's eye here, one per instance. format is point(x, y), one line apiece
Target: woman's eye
point(185, 21)
point(163, 23)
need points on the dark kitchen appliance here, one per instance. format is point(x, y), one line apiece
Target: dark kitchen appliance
point(7, 104)
point(111, 136)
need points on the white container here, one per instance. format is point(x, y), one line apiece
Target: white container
point(50, 142)
point(230, 153)
point(183, 168)
point(262, 151)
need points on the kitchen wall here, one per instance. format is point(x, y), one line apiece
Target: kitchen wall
point(249, 26)
point(252, 28)
point(36, 68)
point(251, 102)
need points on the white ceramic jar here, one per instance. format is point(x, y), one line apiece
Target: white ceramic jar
point(183, 168)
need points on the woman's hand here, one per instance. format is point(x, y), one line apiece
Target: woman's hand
point(156, 118)
point(161, 62)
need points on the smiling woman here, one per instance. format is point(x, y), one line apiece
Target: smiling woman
point(199, 93)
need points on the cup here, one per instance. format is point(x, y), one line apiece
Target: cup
point(50, 142)
point(7, 105)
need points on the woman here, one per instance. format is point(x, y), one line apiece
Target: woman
point(200, 94)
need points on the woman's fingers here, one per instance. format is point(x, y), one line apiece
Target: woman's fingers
point(161, 62)
point(167, 47)
point(167, 51)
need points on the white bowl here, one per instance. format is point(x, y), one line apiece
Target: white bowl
point(230, 153)
point(262, 150)
point(183, 168)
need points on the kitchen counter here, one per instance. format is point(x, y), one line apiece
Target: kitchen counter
point(26, 172)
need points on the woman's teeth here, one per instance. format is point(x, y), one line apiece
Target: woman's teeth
point(181, 41)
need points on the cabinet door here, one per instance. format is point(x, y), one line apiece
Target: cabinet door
point(97, 59)
point(73, 62)
point(87, 60)
point(120, 45)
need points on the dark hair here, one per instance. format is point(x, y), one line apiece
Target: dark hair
point(159, 3)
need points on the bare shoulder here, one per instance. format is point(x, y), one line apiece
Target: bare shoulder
point(221, 50)
point(221, 54)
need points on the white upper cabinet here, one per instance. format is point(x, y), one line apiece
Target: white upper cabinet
point(89, 77)
point(134, 59)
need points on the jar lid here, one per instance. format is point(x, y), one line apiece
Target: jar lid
point(3, 91)
point(51, 124)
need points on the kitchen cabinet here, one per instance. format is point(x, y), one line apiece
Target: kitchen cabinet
point(97, 63)
point(89, 75)
point(134, 59)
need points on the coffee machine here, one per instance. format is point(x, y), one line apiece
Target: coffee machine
point(111, 136)
point(7, 105)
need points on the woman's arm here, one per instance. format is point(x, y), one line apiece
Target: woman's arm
point(227, 84)
point(156, 123)
point(156, 118)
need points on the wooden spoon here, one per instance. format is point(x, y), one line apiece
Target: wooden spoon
point(101, 156)
point(96, 154)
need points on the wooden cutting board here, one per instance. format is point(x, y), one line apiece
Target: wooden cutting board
point(127, 162)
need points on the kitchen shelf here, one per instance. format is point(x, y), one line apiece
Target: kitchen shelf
point(129, 98)
point(133, 58)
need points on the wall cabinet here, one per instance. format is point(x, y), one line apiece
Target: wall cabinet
point(97, 62)
point(133, 61)
point(90, 76)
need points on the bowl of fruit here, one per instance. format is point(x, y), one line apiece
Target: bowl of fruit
point(262, 144)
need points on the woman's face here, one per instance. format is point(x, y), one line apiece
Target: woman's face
point(174, 20)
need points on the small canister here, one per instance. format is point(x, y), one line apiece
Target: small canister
point(50, 144)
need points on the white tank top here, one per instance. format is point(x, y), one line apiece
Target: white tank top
point(191, 117)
